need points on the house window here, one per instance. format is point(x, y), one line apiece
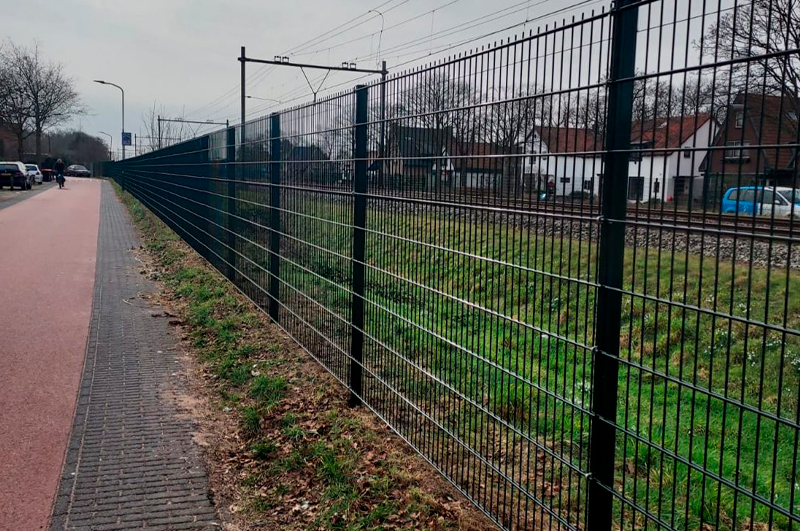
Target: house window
point(739, 119)
point(564, 180)
point(687, 154)
point(681, 186)
point(588, 184)
point(737, 154)
point(636, 153)
point(635, 188)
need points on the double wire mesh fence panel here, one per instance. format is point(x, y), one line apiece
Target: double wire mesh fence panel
point(561, 267)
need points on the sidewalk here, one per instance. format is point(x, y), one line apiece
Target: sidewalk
point(131, 460)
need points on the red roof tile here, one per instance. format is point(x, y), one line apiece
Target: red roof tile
point(667, 133)
point(573, 140)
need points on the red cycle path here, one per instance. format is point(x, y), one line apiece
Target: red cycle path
point(48, 249)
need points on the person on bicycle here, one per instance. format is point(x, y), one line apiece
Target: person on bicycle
point(59, 169)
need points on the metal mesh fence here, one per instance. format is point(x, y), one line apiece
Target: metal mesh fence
point(562, 267)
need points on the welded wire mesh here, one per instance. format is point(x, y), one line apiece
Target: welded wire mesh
point(562, 267)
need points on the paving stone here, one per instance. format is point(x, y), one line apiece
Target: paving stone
point(132, 462)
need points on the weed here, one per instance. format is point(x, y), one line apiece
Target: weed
point(264, 449)
point(294, 433)
point(268, 389)
point(294, 461)
point(251, 421)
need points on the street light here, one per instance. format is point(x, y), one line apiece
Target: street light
point(123, 109)
point(110, 144)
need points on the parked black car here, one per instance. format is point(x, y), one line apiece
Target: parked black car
point(76, 170)
point(15, 174)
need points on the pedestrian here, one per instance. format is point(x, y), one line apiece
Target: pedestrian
point(59, 169)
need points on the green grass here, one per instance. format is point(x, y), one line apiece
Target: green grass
point(251, 421)
point(267, 389)
point(225, 334)
point(500, 322)
point(688, 389)
point(264, 449)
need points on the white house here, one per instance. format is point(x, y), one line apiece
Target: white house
point(672, 150)
point(567, 157)
point(666, 169)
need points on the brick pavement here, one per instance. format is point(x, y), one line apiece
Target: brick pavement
point(131, 461)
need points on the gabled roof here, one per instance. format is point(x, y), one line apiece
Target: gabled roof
point(770, 117)
point(667, 133)
point(308, 153)
point(573, 140)
point(772, 120)
point(478, 156)
point(415, 142)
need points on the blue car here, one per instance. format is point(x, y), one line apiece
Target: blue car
point(762, 201)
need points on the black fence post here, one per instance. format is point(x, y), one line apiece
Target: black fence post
point(275, 217)
point(610, 274)
point(230, 174)
point(359, 243)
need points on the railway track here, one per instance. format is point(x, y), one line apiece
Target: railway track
point(656, 218)
point(667, 218)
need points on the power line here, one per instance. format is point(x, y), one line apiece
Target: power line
point(255, 77)
point(448, 46)
point(401, 23)
point(300, 49)
point(301, 93)
point(474, 23)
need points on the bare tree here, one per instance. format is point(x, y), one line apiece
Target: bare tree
point(511, 125)
point(439, 102)
point(652, 99)
point(444, 105)
point(16, 110)
point(760, 31)
point(159, 135)
point(77, 147)
point(511, 121)
point(50, 93)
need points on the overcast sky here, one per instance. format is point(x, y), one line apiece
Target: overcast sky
point(181, 54)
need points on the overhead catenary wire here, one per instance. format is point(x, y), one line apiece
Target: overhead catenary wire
point(491, 17)
point(299, 93)
point(487, 18)
point(260, 73)
point(393, 26)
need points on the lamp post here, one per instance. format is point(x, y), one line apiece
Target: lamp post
point(123, 108)
point(110, 144)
